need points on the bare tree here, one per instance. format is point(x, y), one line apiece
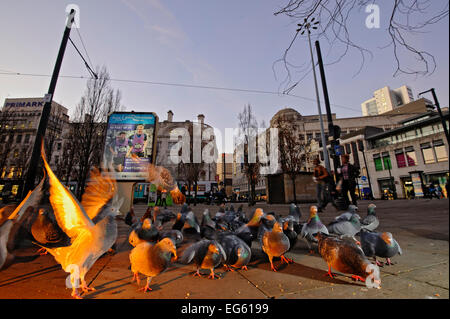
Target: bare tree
point(248, 127)
point(291, 150)
point(89, 125)
point(407, 18)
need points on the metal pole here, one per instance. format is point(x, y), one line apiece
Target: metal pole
point(327, 107)
point(368, 175)
point(35, 157)
point(436, 102)
point(324, 142)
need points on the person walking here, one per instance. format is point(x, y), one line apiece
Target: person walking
point(163, 198)
point(322, 179)
point(347, 174)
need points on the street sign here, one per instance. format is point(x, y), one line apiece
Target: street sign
point(363, 178)
point(338, 150)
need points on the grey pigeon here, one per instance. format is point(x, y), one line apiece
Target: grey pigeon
point(206, 254)
point(175, 235)
point(312, 227)
point(348, 228)
point(208, 226)
point(379, 245)
point(151, 259)
point(352, 210)
point(236, 250)
point(249, 231)
point(370, 222)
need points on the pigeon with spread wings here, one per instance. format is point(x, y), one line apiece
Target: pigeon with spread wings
point(89, 239)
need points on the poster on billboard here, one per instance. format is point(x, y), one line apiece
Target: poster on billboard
point(130, 144)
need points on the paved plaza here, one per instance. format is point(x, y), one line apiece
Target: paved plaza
point(420, 226)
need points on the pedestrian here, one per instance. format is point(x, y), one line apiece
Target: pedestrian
point(348, 173)
point(323, 180)
point(163, 198)
point(158, 196)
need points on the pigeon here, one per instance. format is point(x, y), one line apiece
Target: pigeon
point(346, 257)
point(352, 209)
point(147, 231)
point(294, 215)
point(10, 227)
point(370, 222)
point(175, 235)
point(238, 253)
point(46, 231)
point(275, 244)
point(147, 214)
point(208, 226)
point(89, 239)
point(249, 232)
point(312, 227)
point(379, 245)
point(345, 228)
point(288, 230)
point(162, 217)
point(206, 254)
point(151, 259)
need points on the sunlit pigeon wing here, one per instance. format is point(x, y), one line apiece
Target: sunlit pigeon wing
point(98, 193)
point(31, 200)
point(69, 214)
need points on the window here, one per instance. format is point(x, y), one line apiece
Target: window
point(411, 156)
point(58, 146)
point(427, 153)
point(441, 152)
point(378, 163)
point(348, 149)
point(309, 136)
point(19, 138)
point(27, 138)
point(386, 160)
point(400, 157)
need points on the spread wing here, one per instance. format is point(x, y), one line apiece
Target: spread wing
point(31, 200)
point(98, 193)
point(69, 214)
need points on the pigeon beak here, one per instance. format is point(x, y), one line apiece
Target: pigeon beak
point(175, 257)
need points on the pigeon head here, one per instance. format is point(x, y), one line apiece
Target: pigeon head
point(166, 244)
point(312, 212)
point(42, 211)
point(371, 209)
point(256, 219)
point(387, 238)
point(213, 249)
point(352, 209)
point(288, 225)
point(147, 223)
point(277, 227)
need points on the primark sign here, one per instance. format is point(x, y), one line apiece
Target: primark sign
point(25, 104)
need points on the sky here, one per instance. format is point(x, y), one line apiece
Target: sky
point(228, 44)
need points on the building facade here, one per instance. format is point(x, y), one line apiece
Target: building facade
point(19, 120)
point(385, 100)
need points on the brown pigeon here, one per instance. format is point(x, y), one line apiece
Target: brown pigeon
point(151, 259)
point(346, 257)
point(275, 244)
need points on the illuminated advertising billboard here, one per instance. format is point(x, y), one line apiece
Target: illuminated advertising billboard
point(130, 144)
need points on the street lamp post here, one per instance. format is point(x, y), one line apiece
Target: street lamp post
point(306, 26)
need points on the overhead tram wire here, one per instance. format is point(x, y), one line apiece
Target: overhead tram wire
point(82, 43)
point(187, 86)
point(93, 74)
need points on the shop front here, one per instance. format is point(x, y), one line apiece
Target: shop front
point(407, 187)
point(386, 188)
point(437, 178)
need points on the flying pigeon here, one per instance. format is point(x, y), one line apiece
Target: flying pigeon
point(10, 227)
point(206, 254)
point(312, 227)
point(370, 222)
point(151, 259)
point(237, 252)
point(346, 257)
point(379, 245)
point(275, 244)
point(89, 239)
point(46, 231)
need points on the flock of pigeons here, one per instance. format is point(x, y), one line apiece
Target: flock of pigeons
point(226, 239)
point(78, 233)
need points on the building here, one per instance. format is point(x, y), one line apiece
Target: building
point(409, 157)
point(19, 120)
point(385, 100)
point(225, 172)
point(164, 145)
